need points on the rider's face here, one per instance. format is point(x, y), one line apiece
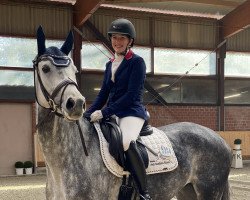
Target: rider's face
point(120, 42)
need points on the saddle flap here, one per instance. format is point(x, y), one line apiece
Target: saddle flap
point(113, 136)
point(143, 152)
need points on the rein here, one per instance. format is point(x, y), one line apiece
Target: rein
point(53, 107)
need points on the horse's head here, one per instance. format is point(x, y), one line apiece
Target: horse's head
point(55, 80)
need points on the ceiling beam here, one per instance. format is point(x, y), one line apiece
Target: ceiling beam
point(237, 20)
point(226, 3)
point(83, 9)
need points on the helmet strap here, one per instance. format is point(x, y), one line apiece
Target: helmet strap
point(129, 46)
point(124, 52)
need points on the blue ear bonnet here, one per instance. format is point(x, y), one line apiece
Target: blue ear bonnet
point(56, 57)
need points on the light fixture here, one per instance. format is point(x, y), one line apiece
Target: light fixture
point(164, 85)
point(232, 96)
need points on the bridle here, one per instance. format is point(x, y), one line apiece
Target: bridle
point(50, 98)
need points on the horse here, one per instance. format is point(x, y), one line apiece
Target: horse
point(204, 157)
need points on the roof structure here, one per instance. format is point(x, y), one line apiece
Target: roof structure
point(211, 8)
point(233, 15)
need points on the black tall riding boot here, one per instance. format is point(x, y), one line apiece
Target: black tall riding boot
point(136, 167)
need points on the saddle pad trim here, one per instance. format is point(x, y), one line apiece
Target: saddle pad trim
point(162, 160)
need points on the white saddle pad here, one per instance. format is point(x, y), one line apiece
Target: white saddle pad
point(160, 152)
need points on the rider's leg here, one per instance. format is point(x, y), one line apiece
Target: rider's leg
point(136, 167)
point(130, 127)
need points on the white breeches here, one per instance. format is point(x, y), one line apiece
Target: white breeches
point(130, 128)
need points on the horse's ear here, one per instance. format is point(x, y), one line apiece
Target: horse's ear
point(40, 41)
point(68, 44)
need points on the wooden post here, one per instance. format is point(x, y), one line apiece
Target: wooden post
point(221, 55)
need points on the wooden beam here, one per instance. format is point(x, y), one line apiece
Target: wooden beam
point(83, 9)
point(237, 20)
point(220, 63)
point(226, 3)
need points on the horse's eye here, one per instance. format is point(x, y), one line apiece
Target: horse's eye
point(46, 68)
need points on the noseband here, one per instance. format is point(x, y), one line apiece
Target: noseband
point(56, 108)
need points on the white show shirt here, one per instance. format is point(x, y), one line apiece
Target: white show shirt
point(115, 64)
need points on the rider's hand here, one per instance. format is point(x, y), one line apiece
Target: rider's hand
point(96, 116)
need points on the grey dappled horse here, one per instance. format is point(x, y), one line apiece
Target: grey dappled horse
point(204, 157)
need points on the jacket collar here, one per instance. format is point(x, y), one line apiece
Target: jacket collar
point(128, 55)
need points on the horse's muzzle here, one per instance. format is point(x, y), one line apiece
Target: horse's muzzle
point(75, 107)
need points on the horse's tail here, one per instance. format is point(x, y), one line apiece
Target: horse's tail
point(226, 192)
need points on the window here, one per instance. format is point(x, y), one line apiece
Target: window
point(19, 52)
point(15, 78)
point(237, 64)
point(189, 91)
point(91, 85)
point(94, 56)
point(145, 53)
point(16, 85)
point(171, 61)
point(237, 91)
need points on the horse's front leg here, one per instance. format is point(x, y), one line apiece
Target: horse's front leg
point(54, 186)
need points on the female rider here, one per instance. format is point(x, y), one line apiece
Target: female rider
point(122, 90)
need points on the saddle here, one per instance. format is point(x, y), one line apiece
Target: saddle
point(160, 156)
point(112, 133)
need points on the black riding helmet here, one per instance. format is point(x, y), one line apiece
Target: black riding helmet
point(124, 27)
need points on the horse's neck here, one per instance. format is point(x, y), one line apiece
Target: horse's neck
point(62, 145)
point(58, 135)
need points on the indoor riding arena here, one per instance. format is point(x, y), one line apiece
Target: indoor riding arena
point(197, 65)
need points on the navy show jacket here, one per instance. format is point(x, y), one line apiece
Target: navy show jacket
point(124, 96)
